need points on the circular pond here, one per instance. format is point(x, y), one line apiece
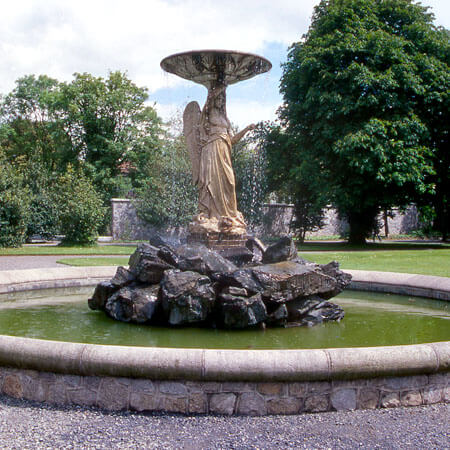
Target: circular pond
point(372, 319)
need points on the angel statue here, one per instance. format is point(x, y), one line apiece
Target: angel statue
point(209, 140)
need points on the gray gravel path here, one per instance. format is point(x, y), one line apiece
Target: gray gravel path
point(27, 425)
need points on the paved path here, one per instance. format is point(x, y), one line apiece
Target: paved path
point(39, 262)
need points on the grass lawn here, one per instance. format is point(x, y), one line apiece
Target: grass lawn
point(424, 262)
point(371, 246)
point(424, 259)
point(106, 261)
point(52, 250)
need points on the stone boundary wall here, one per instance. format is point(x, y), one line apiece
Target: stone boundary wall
point(243, 398)
point(249, 382)
point(275, 222)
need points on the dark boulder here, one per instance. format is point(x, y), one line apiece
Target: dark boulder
point(123, 277)
point(283, 250)
point(257, 248)
point(169, 255)
point(312, 310)
point(200, 259)
point(241, 278)
point(133, 304)
point(299, 308)
point(146, 265)
point(166, 249)
point(240, 312)
point(152, 271)
point(190, 284)
point(187, 297)
point(342, 279)
point(289, 280)
point(143, 252)
point(279, 316)
point(102, 292)
point(240, 256)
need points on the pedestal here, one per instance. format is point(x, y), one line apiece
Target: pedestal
point(231, 247)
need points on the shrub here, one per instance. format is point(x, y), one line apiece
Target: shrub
point(80, 209)
point(43, 219)
point(14, 206)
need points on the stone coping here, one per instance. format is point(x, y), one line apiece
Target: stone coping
point(31, 279)
point(223, 365)
point(401, 283)
point(218, 365)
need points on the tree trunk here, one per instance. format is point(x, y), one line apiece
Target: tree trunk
point(386, 223)
point(356, 237)
point(362, 225)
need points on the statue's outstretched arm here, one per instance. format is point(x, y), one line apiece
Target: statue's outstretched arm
point(238, 136)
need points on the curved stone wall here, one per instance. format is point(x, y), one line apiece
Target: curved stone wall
point(223, 381)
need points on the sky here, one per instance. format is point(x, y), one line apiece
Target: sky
point(59, 38)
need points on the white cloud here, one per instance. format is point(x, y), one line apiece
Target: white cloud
point(59, 38)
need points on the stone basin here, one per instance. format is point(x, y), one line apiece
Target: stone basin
point(223, 381)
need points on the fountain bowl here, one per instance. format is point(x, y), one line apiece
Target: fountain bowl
point(206, 67)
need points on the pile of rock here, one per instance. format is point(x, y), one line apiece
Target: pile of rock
point(193, 285)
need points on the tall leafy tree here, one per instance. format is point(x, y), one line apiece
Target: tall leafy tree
point(110, 126)
point(294, 182)
point(366, 103)
point(29, 122)
point(14, 205)
point(103, 127)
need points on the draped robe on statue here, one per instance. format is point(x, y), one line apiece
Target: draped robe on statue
point(212, 167)
point(217, 194)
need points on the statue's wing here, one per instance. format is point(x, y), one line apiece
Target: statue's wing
point(191, 130)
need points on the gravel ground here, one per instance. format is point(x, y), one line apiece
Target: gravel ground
point(27, 425)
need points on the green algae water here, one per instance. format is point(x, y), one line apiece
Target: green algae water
point(371, 319)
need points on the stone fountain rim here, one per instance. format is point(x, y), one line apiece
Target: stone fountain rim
point(216, 50)
point(223, 365)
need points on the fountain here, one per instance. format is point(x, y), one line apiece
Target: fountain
point(221, 277)
point(209, 139)
point(203, 283)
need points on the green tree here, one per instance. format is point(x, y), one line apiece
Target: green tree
point(42, 183)
point(249, 164)
point(165, 193)
point(14, 205)
point(30, 122)
point(102, 126)
point(80, 209)
point(110, 127)
point(292, 179)
point(359, 107)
